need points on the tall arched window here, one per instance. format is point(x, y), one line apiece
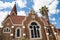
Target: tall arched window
point(18, 33)
point(34, 30)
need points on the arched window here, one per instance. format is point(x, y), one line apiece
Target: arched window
point(6, 30)
point(18, 33)
point(34, 30)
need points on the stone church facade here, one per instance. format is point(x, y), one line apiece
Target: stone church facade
point(30, 27)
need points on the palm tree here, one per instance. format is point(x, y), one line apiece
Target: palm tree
point(44, 12)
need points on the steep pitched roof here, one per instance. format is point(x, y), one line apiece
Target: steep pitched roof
point(17, 19)
point(13, 16)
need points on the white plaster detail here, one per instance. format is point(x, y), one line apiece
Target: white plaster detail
point(47, 33)
point(45, 27)
point(12, 26)
point(52, 27)
point(55, 33)
point(23, 26)
point(24, 34)
point(11, 34)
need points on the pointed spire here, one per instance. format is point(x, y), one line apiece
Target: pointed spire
point(14, 10)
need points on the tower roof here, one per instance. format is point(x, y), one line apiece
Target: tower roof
point(14, 10)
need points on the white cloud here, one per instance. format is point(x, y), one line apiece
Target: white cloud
point(3, 15)
point(21, 13)
point(54, 23)
point(58, 10)
point(51, 4)
point(39, 14)
point(59, 18)
point(6, 4)
point(52, 19)
point(21, 3)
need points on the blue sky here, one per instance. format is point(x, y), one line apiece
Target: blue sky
point(23, 7)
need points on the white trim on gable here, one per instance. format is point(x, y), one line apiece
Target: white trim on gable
point(12, 22)
point(7, 19)
point(17, 24)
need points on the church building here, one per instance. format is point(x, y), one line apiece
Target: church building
point(29, 27)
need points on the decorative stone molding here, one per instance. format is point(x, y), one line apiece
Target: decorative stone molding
point(33, 16)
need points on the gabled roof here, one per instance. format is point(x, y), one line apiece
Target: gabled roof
point(17, 19)
point(13, 16)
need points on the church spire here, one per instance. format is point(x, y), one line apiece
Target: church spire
point(14, 10)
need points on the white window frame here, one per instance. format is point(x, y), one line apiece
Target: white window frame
point(30, 30)
point(5, 29)
point(16, 32)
